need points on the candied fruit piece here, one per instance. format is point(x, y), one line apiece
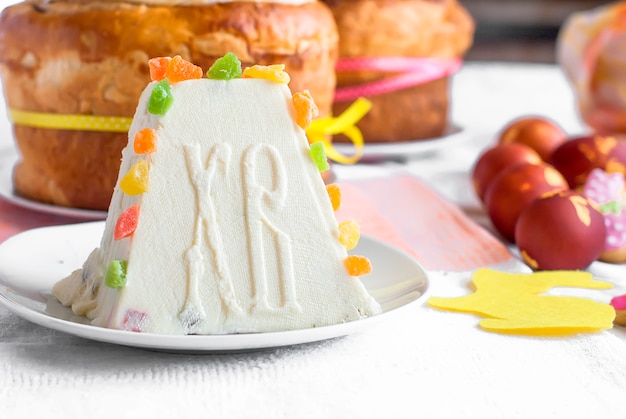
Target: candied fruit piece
point(126, 223)
point(116, 274)
point(180, 69)
point(136, 181)
point(357, 265)
point(161, 98)
point(334, 193)
point(306, 109)
point(158, 66)
point(145, 141)
point(227, 67)
point(349, 234)
point(274, 72)
point(319, 156)
point(134, 320)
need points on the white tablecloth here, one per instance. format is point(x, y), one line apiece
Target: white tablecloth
point(421, 363)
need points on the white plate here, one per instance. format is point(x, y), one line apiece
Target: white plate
point(405, 149)
point(31, 262)
point(7, 162)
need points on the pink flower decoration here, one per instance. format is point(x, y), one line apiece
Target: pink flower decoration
point(615, 230)
point(604, 187)
point(619, 303)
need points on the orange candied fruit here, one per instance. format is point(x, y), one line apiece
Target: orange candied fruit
point(349, 234)
point(126, 223)
point(306, 109)
point(334, 193)
point(180, 69)
point(274, 72)
point(157, 67)
point(145, 141)
point(357, 265)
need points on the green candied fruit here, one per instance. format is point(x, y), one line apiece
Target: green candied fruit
point(319, 156)
point(225, 68)
point(161, 98)
point(116, 274)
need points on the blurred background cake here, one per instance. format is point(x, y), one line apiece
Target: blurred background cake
point(400, 54)
point(591, 51)
point(67, 64)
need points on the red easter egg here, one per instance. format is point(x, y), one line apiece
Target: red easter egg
point(496, 159)
point(563, 231)
point(577, 157)
point(541, 134)
point(516, 187)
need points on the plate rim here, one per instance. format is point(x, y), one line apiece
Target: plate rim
point(226, 343)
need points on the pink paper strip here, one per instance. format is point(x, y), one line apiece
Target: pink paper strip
point(406, 213)
point(14, 220)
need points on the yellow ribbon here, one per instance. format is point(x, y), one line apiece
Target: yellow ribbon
point(70, 121)
point(322, 129)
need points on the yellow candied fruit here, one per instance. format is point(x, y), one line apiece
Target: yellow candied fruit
point(349, 234)
point(306, 109)
point(145, 141)
point(136, 181)
point(334, 194)
point(274, 72)
point(357, 265)
point(180, 69)
point(157, 67)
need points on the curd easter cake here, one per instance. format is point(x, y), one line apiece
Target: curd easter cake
point(220, 222)
point(72, 71)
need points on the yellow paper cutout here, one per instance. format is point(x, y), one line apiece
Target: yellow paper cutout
point(512, 305)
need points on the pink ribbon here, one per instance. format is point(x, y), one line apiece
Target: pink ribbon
point(413, 71)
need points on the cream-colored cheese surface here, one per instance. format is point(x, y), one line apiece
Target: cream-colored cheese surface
point(236, 232)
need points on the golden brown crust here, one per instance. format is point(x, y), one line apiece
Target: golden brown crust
point(82, 172)
point(415, 113)
point(91, 58)
point(402, 28)
point(409, 28)
point(620, 317)
point(614, 255)
point(113, 41)
point(179, 2)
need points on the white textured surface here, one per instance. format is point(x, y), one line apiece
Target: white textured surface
point(427, 363)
